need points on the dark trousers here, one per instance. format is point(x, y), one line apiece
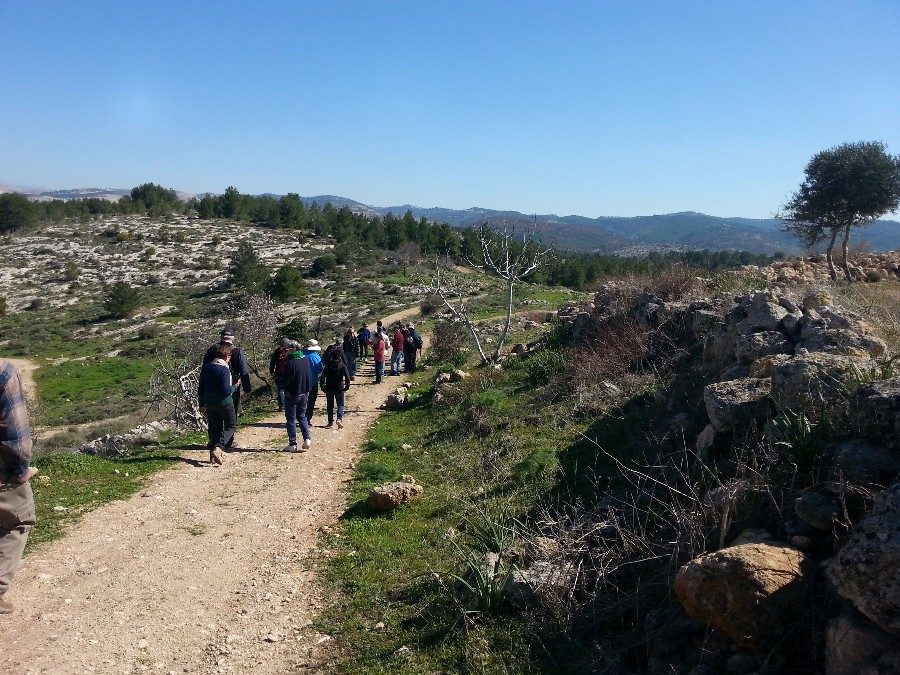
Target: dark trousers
point(409, 358)
point(221, 423)
point(311, 404)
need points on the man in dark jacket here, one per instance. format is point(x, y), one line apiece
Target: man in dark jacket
point(240, 374)
point(277, 364)
point(298, 380)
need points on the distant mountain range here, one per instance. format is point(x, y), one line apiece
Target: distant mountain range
point(627, 236)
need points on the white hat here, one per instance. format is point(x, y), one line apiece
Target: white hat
point(312, 345)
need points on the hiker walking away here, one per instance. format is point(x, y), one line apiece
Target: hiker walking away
point(277, 364)
point(240, 374)
point(311, 350)
point(351, 351)
point(381, 330)
point(412, 344)
point(364, 335)
point(17, 515)
point(214, 394)
point(336, 346)
point(378, 348)
point(298, 380)
point(397, 347)
point(335, 381)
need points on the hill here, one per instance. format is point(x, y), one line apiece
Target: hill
point(636, 235)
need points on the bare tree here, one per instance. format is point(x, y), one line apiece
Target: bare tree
point(453, 291)
point(255, 320)
point(408, 254)
point(173, 387)
point(512, 261)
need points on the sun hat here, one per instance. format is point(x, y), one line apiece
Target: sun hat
point(312, 345)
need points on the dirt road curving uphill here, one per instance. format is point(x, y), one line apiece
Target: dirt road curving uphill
point(207, 570)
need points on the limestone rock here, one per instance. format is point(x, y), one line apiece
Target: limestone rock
point(817, 510)
point(866, 570)
point(864, 462)
point(387, 497)
point(877, 411)
point(809, 379)
point(749, 592)
point(748, 348)
point(854, 645)
point(736, 404)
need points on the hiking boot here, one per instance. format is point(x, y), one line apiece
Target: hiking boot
point(306, 444)
point(340, 424)
point(6, 607)
point(289, 448)
point(215, 456)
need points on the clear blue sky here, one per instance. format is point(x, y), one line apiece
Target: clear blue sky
point(596, 108)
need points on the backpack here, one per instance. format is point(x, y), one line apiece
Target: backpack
point(417, 340)
point(281, 361)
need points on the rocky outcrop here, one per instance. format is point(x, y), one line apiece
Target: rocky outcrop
point(866, 571)
point(749, 592)
point(877, 410)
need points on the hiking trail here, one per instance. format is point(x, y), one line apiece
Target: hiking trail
point(206, 569)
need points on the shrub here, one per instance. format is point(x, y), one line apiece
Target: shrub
point(148, 332)
point(121, 300)
point(543, 365)
point(449, 342)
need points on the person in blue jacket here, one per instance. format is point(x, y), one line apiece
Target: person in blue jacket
point(311, 349)
point(214, 395)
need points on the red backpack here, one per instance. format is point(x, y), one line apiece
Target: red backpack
point(281, 361)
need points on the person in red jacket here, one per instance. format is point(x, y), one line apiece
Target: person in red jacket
point(397, 346)
point(378, 349)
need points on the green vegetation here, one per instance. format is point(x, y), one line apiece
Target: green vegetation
point(92, 389)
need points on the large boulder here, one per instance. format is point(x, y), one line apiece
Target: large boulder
point(748, 348)
point(876, 409)
point(749, 592)
point(737, 404)
point(387, 497)
point(866, 570)
point(861, 461)
point(842, 341)
point(854, 645)
point(810, 379)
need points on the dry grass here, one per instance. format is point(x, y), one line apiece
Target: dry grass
point(878, 304)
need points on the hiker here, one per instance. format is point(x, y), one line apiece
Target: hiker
point(17, 514)
point(351, 351)
point(364, 335)
point(412, 343)
point(311, 349)
point(214, 394)
point(335, 381)
point(381, 330)
point(378, 348)
point(277, 363)
point(337, 346)
point(240, 374)
point(298, 381)
point(397, 347)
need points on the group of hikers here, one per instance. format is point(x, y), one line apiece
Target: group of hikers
point(298, 372)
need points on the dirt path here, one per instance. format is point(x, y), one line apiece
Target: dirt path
point(207, 570)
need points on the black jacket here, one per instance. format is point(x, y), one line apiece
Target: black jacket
point(298, 378)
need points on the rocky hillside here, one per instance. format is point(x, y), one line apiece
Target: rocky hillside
point(780, 517)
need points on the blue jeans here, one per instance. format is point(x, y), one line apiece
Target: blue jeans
point(351, 365)
point(396, 358)
point(379, 371)
point(333, 397)
point(280, 385)
point(294, 411)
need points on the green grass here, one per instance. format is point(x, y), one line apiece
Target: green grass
point(398, 569)
point(92, 389)
point(74, 484)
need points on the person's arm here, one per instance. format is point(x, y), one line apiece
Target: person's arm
point(245, 373)
point(345, 377)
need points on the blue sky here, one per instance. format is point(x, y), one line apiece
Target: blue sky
point(595, 108)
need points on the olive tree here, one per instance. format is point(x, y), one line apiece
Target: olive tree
point(846, 187)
